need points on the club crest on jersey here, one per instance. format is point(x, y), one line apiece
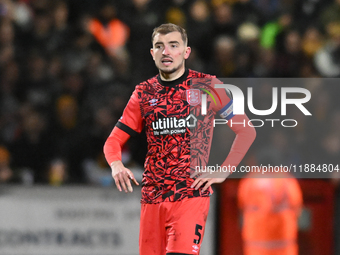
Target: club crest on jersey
point(193, 96)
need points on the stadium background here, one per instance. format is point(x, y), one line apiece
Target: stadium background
point(63, 84)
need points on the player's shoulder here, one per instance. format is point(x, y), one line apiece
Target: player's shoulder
point(197, 74)
point(147, 84)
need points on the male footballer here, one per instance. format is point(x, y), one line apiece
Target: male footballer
point(174, 205)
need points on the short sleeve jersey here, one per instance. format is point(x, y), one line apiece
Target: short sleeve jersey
point(164, 109)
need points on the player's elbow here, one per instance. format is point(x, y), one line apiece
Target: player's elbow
point(110, 145)
point(252, 134)
point(105, 147)
point(249, 132)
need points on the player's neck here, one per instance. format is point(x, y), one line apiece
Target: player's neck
point(172, 76)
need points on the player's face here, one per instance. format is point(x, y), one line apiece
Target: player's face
point(169, 52)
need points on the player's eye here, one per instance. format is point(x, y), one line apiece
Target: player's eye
point(174, 45)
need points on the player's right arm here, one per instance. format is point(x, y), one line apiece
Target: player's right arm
point(129, 124)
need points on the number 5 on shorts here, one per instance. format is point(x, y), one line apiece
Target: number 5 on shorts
point(197, 233)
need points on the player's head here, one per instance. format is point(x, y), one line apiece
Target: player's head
point(170, 48)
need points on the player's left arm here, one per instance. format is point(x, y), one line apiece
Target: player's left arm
point(245, 136)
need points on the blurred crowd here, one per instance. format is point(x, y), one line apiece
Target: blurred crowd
point(68, 67)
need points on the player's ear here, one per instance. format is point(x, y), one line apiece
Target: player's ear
point(187, 53)
point(152, 53)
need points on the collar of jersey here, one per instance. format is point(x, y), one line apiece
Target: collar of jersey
point(173, 83)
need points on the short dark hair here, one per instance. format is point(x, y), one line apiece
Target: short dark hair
point(168, 28)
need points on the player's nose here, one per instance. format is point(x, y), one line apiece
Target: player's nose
point(165, 50)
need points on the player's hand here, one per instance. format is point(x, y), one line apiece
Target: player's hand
point(206, 182)
point(122, 176)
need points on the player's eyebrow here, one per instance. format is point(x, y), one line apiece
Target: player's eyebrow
point(171, 42)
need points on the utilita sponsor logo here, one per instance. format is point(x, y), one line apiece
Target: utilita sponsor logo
point(173, 125)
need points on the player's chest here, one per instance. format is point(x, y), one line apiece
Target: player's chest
point(165, 102)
